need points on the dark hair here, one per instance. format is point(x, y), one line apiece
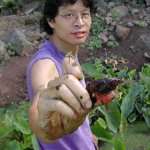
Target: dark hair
point(51, 7)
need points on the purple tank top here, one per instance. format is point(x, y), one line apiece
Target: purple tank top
point(81, 139)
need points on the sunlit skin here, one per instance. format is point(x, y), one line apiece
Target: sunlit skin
point(70, 33)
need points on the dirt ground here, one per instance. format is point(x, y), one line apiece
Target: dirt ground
point(13, 77)
point(134, 57)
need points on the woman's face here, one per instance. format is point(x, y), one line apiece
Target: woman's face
point(72, 24)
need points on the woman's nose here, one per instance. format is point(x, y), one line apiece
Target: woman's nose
point(79, 21)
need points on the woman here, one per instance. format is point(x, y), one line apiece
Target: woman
point(60, 102)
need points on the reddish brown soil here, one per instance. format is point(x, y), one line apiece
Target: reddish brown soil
point(135, 57)
point(12, 81)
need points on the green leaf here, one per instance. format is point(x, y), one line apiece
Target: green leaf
point(102, 122)
point(14, 125)
point(21, 123)
point(132, 117)
point(146, 70)
point(128, 103)
point(4, 130)
point(89, 69)
point(146, 115)
point(101, 133)
point(12, 145)
point(21, 119)
point(6, 121)
point(95, 70)
point(9, 118)
point(119, 143)
point(26, 142)
point(132, 74)
point(145, 80)
point(112, 116)
point(139, 106)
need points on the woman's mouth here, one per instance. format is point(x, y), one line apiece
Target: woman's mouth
point(79, 35)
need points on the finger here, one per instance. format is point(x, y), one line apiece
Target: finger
point(75, 86)
point(71, 66)
point(50, 105)
point(67, 96)
point(78, 90)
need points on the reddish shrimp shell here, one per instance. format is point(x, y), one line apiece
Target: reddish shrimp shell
point(101, 88)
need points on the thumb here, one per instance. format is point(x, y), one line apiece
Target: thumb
point(72, 66)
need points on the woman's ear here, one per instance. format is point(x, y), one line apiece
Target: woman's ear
point(50, 23)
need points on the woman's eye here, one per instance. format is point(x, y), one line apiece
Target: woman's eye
point(86, 14)
point(69, 15)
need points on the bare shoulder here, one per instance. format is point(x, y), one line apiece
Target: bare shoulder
point(42, 72)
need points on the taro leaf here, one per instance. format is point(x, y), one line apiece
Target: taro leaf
point(6, 123)
point(123, 73)
point(92, 71)
point(5, 130)
point(146, 80)
point(9, 118)
point(132, 117)
point(21, 123)
point(89, 69)
point(118, 143)
point(131, 74)
point(128, 103)
point(147, 120)
point(14, 118)
point(112, 116)
point(102, 122)
point(101, 133)
point(26, 142)
point(12, 145)
point(139, 106)
point(146, 69)
point(34, 142)
point(146, 115)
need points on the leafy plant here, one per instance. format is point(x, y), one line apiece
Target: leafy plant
point(12, 3)
point(98, 25)
point(141, 23)
point(8, 3)
point(115, 15)
point(14, 129)
point(112, 43)
point(143, 103)
point(9, 7)
point(132, 103)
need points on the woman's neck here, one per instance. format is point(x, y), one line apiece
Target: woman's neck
point(63, 46)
